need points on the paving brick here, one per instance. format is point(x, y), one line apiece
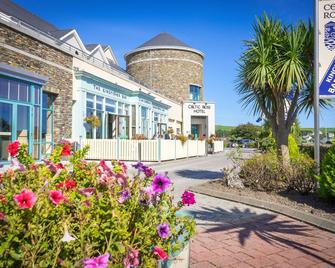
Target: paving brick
point(204, 264)
point(302, 262)
point(222, 252)
point(277, 258)
point(291, 253)
point(241, 256)
point(223, 261)
point(261, 261)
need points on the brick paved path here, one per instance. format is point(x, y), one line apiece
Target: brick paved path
point(235, 235)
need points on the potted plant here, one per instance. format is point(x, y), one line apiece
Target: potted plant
point(85, 214)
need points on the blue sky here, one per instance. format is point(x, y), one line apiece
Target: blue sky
point(216, 27)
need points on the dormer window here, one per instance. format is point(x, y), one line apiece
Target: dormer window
point(194, 93)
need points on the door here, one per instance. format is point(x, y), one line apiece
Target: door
point(6, 127)
point(14, 125)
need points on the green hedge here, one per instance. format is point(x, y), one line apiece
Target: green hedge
point(309, 149)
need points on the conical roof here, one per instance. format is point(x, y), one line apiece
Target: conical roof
point(163, 41)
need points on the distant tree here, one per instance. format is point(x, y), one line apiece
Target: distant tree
point(275, 76)
point(246, 131)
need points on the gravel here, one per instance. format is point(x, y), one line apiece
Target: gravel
point(310, 203)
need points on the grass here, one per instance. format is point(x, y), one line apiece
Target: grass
point(224, 128)
point(323, 130)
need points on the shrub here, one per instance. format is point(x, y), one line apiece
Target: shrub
point(267, 144)
point(309, 149)
point(293, 147)
point(139, 137)
point(182, 138)
point(80, 213)
point(263, 173)
point(327, 176)
point(301, 175)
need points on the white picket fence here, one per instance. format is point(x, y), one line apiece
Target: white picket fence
point(146, 150)
point(218, 146)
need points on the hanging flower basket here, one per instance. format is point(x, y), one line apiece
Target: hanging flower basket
point(93, 121)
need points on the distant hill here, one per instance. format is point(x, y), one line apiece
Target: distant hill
point(224, 128)
point(323, 130)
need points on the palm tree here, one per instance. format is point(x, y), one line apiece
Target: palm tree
point(275, 76)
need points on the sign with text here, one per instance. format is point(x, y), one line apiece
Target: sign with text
point(326, 24)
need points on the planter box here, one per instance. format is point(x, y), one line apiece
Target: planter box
point(181, 260)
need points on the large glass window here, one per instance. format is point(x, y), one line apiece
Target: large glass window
point(113, 116)
point(24, 116)
point(195, 92)
point(144, 121)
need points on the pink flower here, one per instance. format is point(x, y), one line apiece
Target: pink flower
point(2, 216)
point(160, 183)
point(87, 191)
point(160, 253)
point(56, 196)
point(13, 148)
point(25, 199)
point(188, 198)
point(131, 259)
point(97, 262)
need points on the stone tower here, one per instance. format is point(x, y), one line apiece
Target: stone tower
point(169, 67)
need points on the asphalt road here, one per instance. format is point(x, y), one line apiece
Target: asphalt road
point(189, 172)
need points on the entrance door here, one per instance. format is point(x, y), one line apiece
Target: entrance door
point(195, 130)
point(14, 125)
point(6, 127)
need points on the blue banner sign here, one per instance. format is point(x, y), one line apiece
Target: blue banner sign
point(327, 86)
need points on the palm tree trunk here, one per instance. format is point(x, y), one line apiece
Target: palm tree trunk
point(282, 146)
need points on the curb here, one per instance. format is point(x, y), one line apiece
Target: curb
point(284, 210)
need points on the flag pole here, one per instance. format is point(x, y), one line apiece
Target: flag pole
point(316, 87)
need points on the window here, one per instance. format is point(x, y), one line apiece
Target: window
point(110, 106)
point(195, 92)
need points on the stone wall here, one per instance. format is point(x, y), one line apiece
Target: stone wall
point(59, 73)
point(168, 71)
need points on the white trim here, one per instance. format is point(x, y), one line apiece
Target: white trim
point(99, 48)
point(111, 51)
point(77, 37)
point(157, 59)
point(165, 47)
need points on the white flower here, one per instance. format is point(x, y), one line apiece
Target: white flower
point(67, 237)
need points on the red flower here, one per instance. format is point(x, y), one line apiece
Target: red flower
point(13, 148)
point(66, 150)
point(160, 253)
point(56, 196)
point(60, 166)
point(25, 199)
point(2, 216)
point(188, 198)
point(68, 184)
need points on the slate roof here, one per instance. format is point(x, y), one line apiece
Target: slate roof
point(90, 47)
point(59, 33)
point(164, 39)
point(12, 9)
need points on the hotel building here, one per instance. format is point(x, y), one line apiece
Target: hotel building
point(51, 81)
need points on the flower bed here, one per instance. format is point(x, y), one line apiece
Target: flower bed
point(81, 214)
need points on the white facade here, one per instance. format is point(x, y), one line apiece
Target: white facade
point(199, 118)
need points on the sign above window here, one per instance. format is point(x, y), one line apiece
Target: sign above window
point(110, 92)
